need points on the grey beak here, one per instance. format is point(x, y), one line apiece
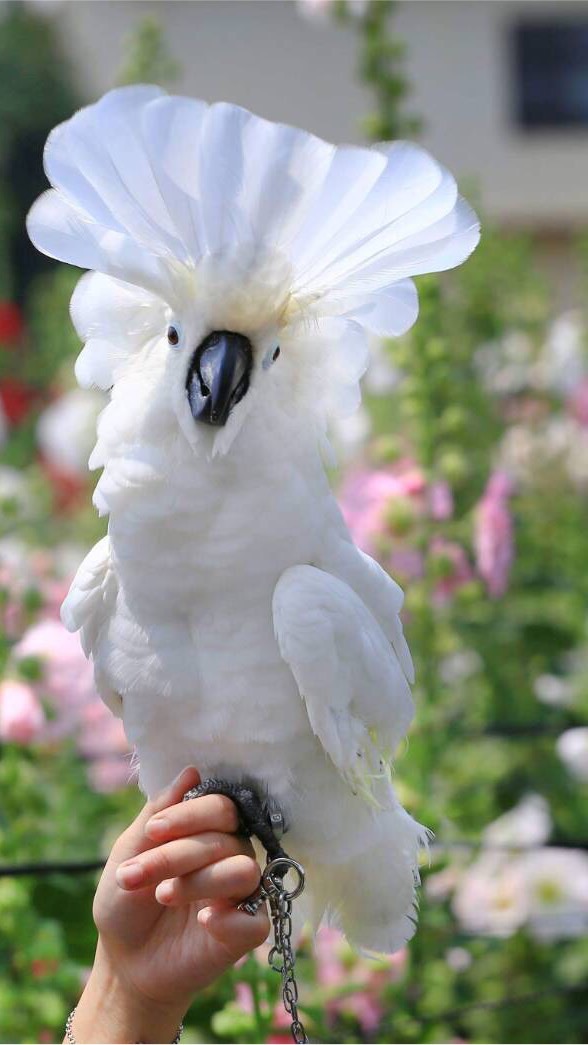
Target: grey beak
point(218, 376)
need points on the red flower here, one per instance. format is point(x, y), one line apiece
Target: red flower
point(16, 399)
point(11, 323)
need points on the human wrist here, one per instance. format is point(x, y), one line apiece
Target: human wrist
point(111, 1010)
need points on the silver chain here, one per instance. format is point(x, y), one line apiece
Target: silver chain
point(281, 957)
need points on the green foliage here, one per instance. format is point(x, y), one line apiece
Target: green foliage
point(148, 60)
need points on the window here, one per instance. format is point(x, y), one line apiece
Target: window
point(551, 74)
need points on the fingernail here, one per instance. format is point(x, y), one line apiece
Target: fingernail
point(129, 874)
point(164, 892)
point(204, 916)
point(157, 825)
point(187, 770)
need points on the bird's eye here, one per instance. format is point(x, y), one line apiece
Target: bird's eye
point(270, 357)
point(173, 335)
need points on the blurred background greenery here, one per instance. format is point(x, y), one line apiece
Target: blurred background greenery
point(465, 473)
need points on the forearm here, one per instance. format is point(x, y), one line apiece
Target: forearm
point(110, 1012)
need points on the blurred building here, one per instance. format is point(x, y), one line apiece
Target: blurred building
point(502, 85)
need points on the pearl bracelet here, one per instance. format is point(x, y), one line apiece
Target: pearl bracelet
point(72, 1041)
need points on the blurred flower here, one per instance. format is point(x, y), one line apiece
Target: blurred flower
point(505, 366)
point(493, 536)
point(554, 689)
point(67, 679)
point(527, 824)
point(452, 568)
point(458, 958)
point(338, 966)
point(440, 501)
point(572, 748)
point(440, 885)
point(16, 398)
point(561, 443)
point(16, 498)
point(380, 501)
point(68, 683)
point(562, 363)
point(460, 666)
point(66, 431)
point(11, 323)
point(578, 403)
point(21, 715)
point(556, 881)
point(109, 774)
point(491, 897)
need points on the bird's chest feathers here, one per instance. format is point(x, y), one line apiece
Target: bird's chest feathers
point(216, 537)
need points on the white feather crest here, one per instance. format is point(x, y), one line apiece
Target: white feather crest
point(146, 185)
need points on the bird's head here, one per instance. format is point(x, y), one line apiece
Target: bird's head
point(239, 267)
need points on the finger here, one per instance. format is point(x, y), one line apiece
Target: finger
point(235, 878)
point(182, 856)
point(134, 840)
point(207, 813)
point(237, 931)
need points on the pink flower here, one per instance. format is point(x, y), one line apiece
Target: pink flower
point(244, 997)
point(455, 569)
point(109, 774)
point(68, 683)
point(493, 535)
point(440, 501)
point(338, 967)
point(578, 403)
point(368, 499)
point(21, 715)
point(68, 679)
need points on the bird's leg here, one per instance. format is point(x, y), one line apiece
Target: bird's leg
point(259, 818)
point(255, 818)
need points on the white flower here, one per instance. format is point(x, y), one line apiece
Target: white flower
point(16, 498)
point(460, 666)
point(492, 897)
point(554, 690)
point(560, 443)
point(572, 748)
point(458, 958)
point(66, 430)
point(505, 366)
point(557, 891)
point(527, 824)
point(563, 360)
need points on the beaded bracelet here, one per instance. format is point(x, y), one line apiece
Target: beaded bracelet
point(72, 1041)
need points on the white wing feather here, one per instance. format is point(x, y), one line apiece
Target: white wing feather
point(90, 602)
point(345, 668)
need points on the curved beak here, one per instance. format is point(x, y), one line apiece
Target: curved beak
point(218, 376)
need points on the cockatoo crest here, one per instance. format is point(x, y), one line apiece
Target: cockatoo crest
point(210, 218)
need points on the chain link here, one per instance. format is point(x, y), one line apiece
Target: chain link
point(281, 957)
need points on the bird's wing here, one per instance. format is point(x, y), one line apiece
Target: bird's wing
point(376, 588)
point(89, 605)
point(356, 694)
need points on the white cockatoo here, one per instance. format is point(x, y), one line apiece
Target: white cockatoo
point(239, 268)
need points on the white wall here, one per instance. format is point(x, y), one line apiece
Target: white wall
point(264, 55)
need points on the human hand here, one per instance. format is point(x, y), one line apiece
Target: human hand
point(165, 910)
